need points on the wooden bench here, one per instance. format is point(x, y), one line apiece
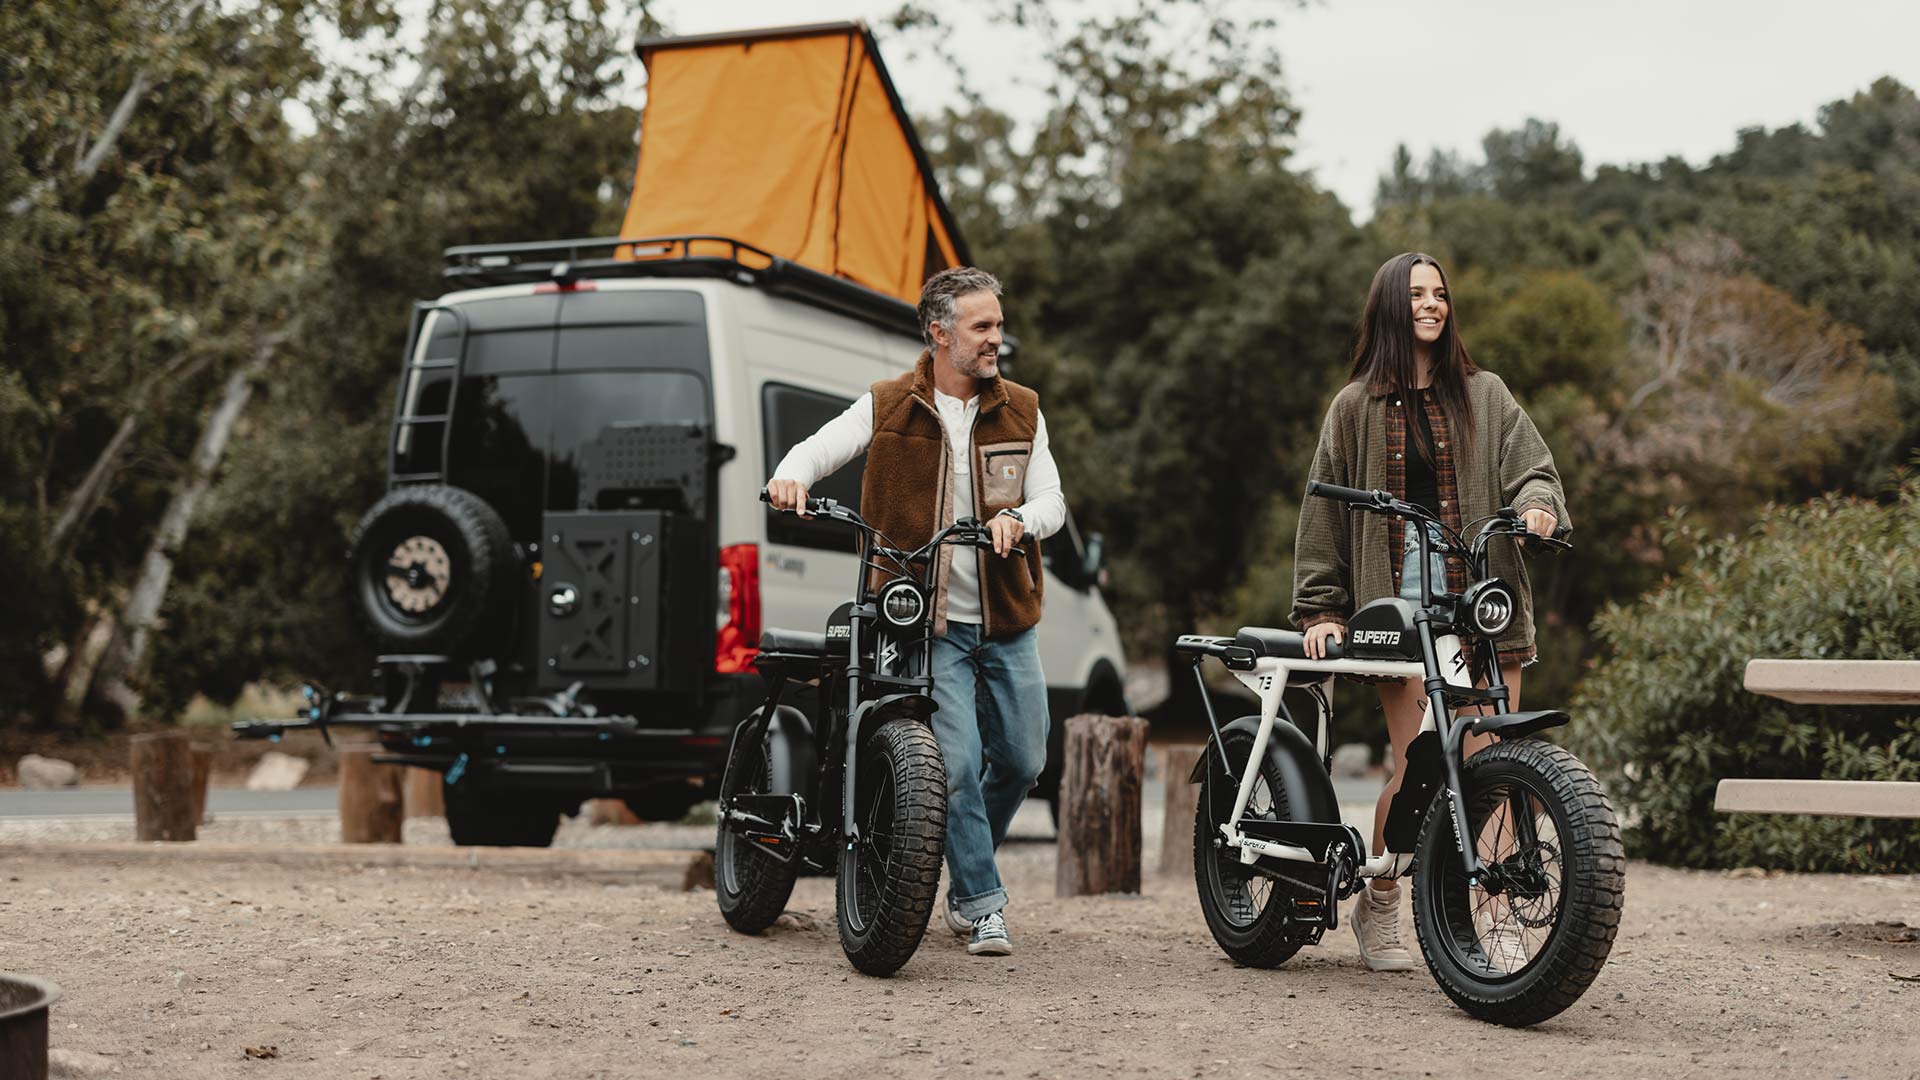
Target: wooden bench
point(1828, 682)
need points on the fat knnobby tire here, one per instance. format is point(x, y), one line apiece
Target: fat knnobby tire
point(888, 878)
point(434, 571)
point(1540, 816)
point(751, 885)
point(1248, 914)
point(496, 819)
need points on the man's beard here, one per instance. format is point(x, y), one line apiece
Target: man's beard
point(977, 366)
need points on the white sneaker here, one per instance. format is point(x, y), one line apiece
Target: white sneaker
point(1376, 923)
point(1506, 950)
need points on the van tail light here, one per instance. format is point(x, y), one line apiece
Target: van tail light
point(738, 615)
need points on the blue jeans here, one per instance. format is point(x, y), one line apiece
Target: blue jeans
point(1410, 578)
point(992, 730)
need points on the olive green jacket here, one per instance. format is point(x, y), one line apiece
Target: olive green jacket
point(1342, 560)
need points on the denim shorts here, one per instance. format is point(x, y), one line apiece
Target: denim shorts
point(1410, 577)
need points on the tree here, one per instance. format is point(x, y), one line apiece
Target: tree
point(513, 129)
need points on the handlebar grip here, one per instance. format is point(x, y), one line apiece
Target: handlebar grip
point(814, 506)
point(1346, 494)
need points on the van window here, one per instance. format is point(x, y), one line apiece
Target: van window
point(602, 423)
point(788, 414)
point(499, 447)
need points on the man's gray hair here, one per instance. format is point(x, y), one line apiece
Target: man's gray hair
point(937, 296)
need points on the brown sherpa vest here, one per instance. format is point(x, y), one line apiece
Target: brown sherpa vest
point(907, 493)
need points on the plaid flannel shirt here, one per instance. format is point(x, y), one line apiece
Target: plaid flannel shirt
point(1397, 451)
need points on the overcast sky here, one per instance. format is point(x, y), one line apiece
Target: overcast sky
point(1629, 80)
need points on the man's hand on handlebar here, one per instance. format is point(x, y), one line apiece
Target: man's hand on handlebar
point(788, 495)
point(1319, 634)
point(1007, 531)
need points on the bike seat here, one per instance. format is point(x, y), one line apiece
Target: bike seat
point(1281, 644)
point(775, 640)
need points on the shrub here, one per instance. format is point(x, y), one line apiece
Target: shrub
point(1665, 712)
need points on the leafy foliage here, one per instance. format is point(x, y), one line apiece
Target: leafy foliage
point(1667, 713)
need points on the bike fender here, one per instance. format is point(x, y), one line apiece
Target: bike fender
point(863, 723)
point(1303, 779)
point(791, 738)
point(1513, 725)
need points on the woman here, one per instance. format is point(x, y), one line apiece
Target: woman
point(1421, 421)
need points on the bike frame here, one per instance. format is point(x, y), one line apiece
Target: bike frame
point(896, 685)
point(1443, 651)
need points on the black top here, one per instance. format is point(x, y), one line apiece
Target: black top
point(1423, 483)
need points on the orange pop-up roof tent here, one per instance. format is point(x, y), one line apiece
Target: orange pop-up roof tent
point(794, 141)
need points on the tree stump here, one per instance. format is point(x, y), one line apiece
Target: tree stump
point(202, 773)
point(426, 793)
point(372, 802)
point(163, 788)
point(1176, 832)
point(608, 812)
point(1105, 761)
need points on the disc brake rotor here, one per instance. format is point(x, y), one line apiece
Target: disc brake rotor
point(417, 574)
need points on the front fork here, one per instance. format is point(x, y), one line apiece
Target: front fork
point(1453, 733)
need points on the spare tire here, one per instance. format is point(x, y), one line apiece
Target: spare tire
point(434, 571)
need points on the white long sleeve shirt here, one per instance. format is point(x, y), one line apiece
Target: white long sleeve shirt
point(848, 435)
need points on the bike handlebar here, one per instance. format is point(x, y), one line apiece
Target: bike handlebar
point(969, 532)
point(1357, 496)
point(814, 506)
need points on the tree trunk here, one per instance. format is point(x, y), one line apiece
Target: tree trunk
point(84, 169)
point(1099, 846)
point(84, 499)
point(163, 802)
point(1176, 831)
point(129, 645)
point(372, 799)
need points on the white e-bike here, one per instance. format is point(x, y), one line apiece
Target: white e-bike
point(1518, 873)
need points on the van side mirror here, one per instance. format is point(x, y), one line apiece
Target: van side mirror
point(1096, 559)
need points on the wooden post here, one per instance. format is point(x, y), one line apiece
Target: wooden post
point(202, 773)
point(426, 794)
point(1105, 759)
point(371, 800)
point(163, 803)
point(1176, 832)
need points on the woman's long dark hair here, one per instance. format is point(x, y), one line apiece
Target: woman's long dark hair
point(1383, 353)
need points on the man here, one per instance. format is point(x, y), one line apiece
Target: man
point(948, 440)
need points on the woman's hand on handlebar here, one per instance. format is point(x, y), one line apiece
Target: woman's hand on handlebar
point(1319, 634)
point(788, 495)
point(1539, 521)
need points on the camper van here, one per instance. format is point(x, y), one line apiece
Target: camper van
point(570, 573)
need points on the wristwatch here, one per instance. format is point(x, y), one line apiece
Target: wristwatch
point(1015, 515)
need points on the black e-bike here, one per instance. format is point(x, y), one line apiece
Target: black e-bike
point(838, 771)
point(1516, 857)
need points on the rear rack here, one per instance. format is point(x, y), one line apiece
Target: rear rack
point(564, 263)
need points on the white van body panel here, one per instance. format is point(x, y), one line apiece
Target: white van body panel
point(756, 338)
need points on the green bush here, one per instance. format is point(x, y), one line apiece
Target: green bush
point(1666, 715)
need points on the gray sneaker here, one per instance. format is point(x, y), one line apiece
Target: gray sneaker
point(990, 937)
point(959, 924)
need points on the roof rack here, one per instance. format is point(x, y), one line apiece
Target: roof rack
point(564, 261)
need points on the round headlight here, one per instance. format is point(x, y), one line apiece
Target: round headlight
point(902, 604)
point(1492, 608)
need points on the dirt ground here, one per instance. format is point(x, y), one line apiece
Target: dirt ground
point(176, 968)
